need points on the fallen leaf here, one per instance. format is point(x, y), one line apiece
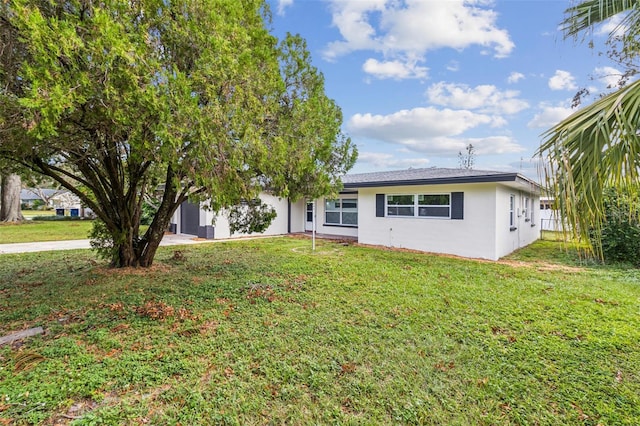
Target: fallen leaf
point(120, 327)
point(444, 366)
point(348, 367)
point(581, 415)
point(228, 372)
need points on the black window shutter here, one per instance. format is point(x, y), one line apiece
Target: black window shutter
point(379, 205)
point(457, 205)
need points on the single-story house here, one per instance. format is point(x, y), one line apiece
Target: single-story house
point(53, 198)
point(469, 213)
point(62, 200)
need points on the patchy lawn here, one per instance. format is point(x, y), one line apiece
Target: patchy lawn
point(45, 230)
point(267, 332)
point(36, 213)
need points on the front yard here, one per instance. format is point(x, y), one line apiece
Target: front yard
point(44, 230)
point(267, 332)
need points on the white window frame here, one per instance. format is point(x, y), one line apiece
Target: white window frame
point(308, 212)
point(533, 210)
point(397, 206)
point(340, 210)
point(416, 205)
point(512, 211)
point(448, 206)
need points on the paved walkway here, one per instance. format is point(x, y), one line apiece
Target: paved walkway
point(167, 240)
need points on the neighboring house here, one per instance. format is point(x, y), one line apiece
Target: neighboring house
point(67, 200)
point(470, 213)
point(60, 199)
point(31, 197)
point(549, 217)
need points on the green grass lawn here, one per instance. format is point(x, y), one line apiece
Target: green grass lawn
point(267, 332)
point(34, 213)
point(50, 230)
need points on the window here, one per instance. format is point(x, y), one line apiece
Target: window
point(533, 223)
point(434, 205)
point(512, 211)
point(421, 205)
point(400, 205)
point(342, 211)
point(525, 210)
point(309, 212)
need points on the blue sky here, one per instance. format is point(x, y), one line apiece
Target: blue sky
point(418, 80)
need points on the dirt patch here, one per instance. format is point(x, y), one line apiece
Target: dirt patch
point(307, 250)
point(540, 266)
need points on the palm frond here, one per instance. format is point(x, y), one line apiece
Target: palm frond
point(584, 15)
point(596, 147)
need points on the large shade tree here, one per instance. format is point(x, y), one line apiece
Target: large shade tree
point(599, 145)
point(10, 190)
point(118, 100)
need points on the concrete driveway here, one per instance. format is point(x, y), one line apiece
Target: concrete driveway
point(167, 240)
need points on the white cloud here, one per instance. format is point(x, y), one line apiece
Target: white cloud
point(549, 116)
point(352, 20)
point(528, 164)
point(386, 161)
point(416, 123)
point(484, 98)
point(562, 80)
point(494, 145)
point(453, 66)
point(406, 30)
point(282, 5)
point(393, 69)
point(515, 77)
point(498, 121)
point(611, 27)
point(609, 76)
point(430, 131)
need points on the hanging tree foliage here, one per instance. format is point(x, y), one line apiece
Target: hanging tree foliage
point(120, 99)
point(598, 146)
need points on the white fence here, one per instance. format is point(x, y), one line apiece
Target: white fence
point(550, 220)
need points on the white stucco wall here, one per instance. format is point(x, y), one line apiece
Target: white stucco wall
point(526, 231)
point(483, 233)
point(472, 236)
point(220, 222)
point(279, 226)
point(297, 216)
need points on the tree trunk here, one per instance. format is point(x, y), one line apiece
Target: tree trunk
point(137, 252)
point(10, 206)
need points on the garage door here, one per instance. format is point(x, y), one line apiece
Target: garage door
point(189, 218)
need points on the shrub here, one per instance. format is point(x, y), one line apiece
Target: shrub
point(102, 241)
point(57, 218)
point(620, 237)
point(148, 213)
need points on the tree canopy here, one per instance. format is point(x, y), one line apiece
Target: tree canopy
point(599, 145)
point(119, 99)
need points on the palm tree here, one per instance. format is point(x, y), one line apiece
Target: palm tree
point(599, 145)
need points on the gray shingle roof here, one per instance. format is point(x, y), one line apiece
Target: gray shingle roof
point(432, 175)
point(32, 194)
